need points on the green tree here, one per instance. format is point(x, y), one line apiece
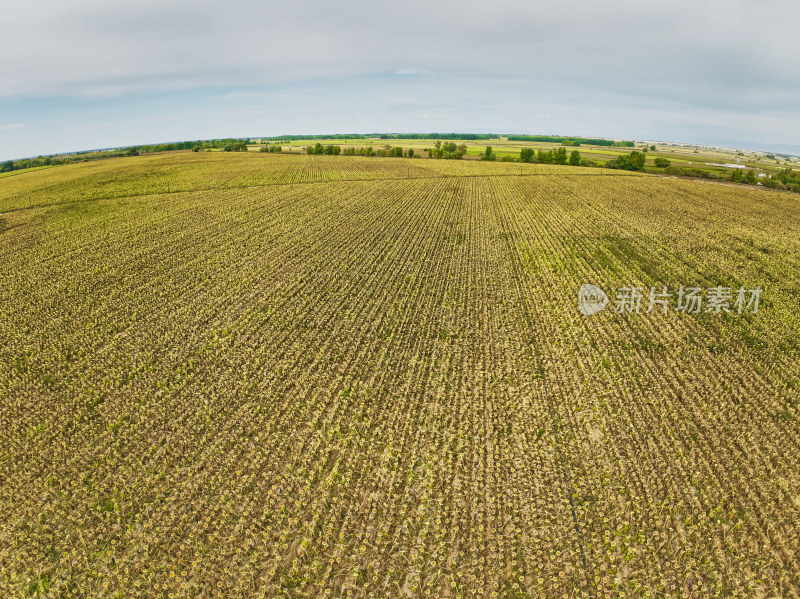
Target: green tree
point(632, 162)
point(661, 162)
point(636, 160)
point(446, 151)
point(238, 145)
point(560, 155)
point(750, 178)
point(410, 152)
point(7, 166)
point(575, 158)
point(526, 155)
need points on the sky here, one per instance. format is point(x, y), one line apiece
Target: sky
point(89, 74)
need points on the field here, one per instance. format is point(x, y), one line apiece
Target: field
point(702, 160)
point(266, 375)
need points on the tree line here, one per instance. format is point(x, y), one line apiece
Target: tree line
point(240, 145)
point(786, 179)
point(447, 136)
point(572, 141)
point(440, 136)
point(303, 137)
point(386, 152)
point(447, 150)
point(556, 156)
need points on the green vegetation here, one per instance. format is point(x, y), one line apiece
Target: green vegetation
point(527, 155)
point(673, 160)
point(572, 140)
point(785, 179)
point(353, 151)
point(335, 150)
point(632, 162)
point(447, 151)
point(318, 148)
point(236, 146)
point(448, 136)
point(556, 156)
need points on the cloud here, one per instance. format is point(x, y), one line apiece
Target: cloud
point(710, 51)
point(11, 127)
point(617, 68)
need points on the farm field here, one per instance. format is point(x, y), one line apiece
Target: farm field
point(703, 160)
point(265, 375)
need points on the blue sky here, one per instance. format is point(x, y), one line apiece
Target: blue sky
point(93, 74)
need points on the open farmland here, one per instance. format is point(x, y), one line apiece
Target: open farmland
point(245, 375)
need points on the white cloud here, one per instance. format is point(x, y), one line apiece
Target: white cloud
point(697, 51)
point(619, 68)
